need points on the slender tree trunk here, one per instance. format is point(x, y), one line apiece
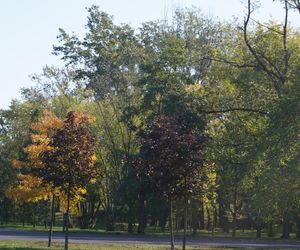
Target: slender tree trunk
point(215, 218)
point(298, 227)
point(184, 222)
point(171, 225)
point(234, 203)
point(51, 221)
point(258, 231)
point(194, 219)
point(234, 224)
point(67, 218)
point(142, 215)
point(23, 215)
point(163, 219)
point(271, 229)
point(110, 220)
point(130, 226)
point(208, 225)
point(33, 217)
point(285, 227)
point(202, 216)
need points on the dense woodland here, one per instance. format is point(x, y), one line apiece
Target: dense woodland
point(192, 122)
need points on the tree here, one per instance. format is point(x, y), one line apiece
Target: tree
point(171, 160)
point(106, 58)
point(277, 59)
point(14, 136)
point(30, 188)
point(69, 163)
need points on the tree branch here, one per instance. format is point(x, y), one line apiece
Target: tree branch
point(277, 79)
point(261, 112)
point(232, 63)
point(286, 57)
point(267, 27)
point(295, 4)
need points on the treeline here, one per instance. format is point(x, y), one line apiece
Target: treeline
point(194, 118)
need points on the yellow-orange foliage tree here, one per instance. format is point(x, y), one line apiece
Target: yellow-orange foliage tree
point(31, 186)
point(69, 161)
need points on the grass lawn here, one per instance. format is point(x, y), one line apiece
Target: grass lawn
point(38, 228)
point(21, 245)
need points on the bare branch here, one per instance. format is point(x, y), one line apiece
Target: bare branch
point(266, 26)
point(295, 4)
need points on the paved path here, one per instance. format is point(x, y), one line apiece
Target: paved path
point(10, 234)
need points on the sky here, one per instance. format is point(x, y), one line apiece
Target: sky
point(29, 29)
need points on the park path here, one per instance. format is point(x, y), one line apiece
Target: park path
point(11, 234)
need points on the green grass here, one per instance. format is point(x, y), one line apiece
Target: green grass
point(38, 228)
point(21, 245)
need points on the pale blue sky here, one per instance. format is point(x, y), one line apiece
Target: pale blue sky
point(29, 28)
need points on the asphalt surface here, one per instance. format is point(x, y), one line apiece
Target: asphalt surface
point(16, 235)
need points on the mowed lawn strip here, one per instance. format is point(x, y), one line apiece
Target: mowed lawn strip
point(21, 245)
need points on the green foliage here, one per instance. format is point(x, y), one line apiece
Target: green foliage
point(157, 93)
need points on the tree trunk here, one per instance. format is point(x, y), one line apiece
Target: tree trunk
point(142, 215)
point(215, 223)
point(223, 221)
point(23, 215)
point(271, 229)
point(195, 216)
point(153, 221)
point(298, 227)
point(285, 227)
point(258, 232)
point(234, 202)
point(51, 220)
point(184, 223)
point(110, 220)
point(33, 217)
point(209, 223)
point(234, 224)
point(201, 215)
point(130, 226)
point(194, 222)
point(67, 219)
point(171, 225)
point(163, 219)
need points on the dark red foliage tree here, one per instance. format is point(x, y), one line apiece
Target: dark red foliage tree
point(171, 160)
point(70, 163)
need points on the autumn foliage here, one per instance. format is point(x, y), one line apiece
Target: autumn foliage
point(171, 160)
point(35, 176)
point(29, 187)
point(71, 158)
